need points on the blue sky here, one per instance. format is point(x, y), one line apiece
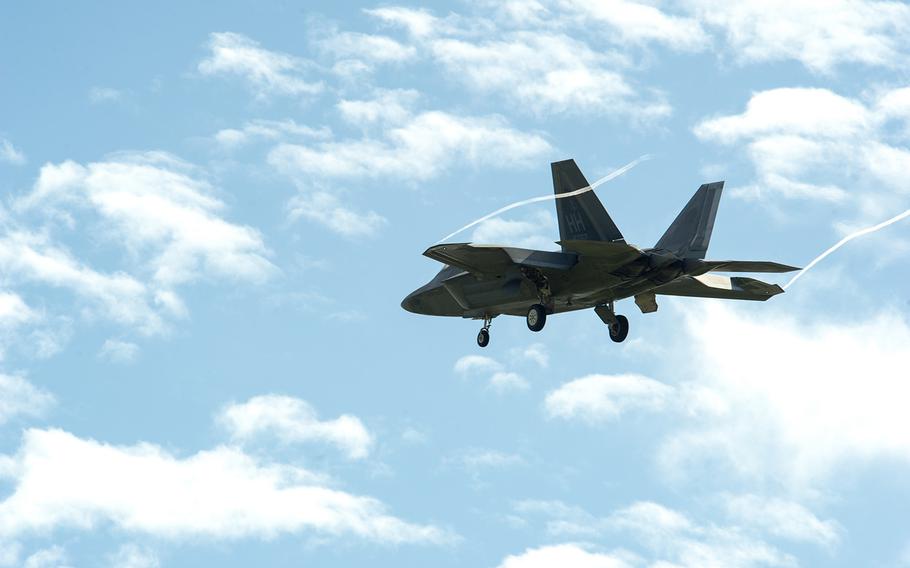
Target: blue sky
point(210, 217)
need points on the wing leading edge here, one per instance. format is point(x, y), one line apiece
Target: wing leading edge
point(491, 260)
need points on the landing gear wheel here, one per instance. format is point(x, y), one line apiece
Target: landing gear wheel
point(483, 338)
point(537, 317)
point(619, 329)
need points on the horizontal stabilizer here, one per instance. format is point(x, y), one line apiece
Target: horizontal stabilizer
point(748, 266)
point(725, 287)
point(490, 260)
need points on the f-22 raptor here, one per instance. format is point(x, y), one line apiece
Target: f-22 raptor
point(595, 268)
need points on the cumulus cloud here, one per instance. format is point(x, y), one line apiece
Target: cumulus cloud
point(370, 47)
point(18, 397)
point(118, 351)
point(53, 557)
point(60, 481)
point(535, 231)
point(498, 378)
point(656, 535)
point(419, 148)
point(134, 556)
point(639, 23)
point(326, 209)
point(9, 153)
point(399, 142)
point(673, 537)
point(811, 143)
point(267, 72)
point(269, 130)
point(779, 428)
point(293, 420)
point(563, 555)
point(782, 518)
point(154, 204)
point(120, 297)
point(600, 398)
point(820, 35)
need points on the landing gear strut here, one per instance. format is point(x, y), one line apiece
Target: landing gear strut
point(537, 317)
point(483, 336)
point(619, 325)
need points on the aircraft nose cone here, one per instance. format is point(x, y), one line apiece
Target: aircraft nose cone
point(411, 303)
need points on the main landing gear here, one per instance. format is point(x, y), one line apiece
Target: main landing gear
point(537, 317)
point(619, 325)
point(483, 336)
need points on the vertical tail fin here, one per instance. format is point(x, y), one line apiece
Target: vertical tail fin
point(581, 217)
point(690, 232)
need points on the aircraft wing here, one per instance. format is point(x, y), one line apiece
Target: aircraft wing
point(714, 286)
point(492, 260)
point(617, 253)
point(748, 266)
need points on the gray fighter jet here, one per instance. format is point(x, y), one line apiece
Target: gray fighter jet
point(595, 268)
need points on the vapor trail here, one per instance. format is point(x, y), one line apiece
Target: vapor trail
point(846, 240)
point(606, 178)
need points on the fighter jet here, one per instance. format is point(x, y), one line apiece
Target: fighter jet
point(595, 268)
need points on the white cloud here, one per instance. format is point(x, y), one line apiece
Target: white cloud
point(538, 63)
point(808, 143)
point(546, 73)
point(60, 481)
point(272, 130)
point(420, 148)
point(118, 296)
point(9, 153)
point(153, 204)
point(9, 553)
point(825, 394)
point(293, 420)
point(325, 209)
point(133, 556)
point(563, 555)
point(18, 397)
point(476, 364)
point(99, 95)
point(497, 377)
point(535, 353)
point(600, 398)
point(820, 34)
point(14, 311)
point(418, 22)
point(475, 459)
point(782, 518)
point(639, 23)
point(53, 557)
point(536, 231)
point(267, 72)
point(659, 536)
point(388, 106)
point(674, 538)
point(504, 381)
point(118, 351)
point(376, 48)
